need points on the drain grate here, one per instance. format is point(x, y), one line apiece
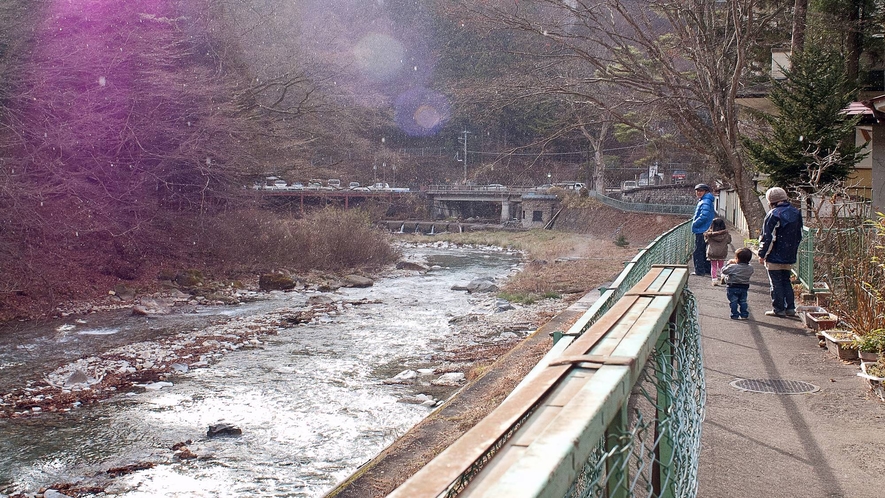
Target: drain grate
point(775, 386)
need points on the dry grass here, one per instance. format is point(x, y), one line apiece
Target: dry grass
point(560, 264)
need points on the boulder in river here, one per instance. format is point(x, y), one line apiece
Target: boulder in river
point(358, 281)
point(223, 429)
point(124, 292)
point(276, 281)
point(408, 265)
point(478, 285)
point(190, 278)
point(150, 307)
point(320, 300)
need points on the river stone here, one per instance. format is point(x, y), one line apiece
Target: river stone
point(358, 281)
point(223, 430)
point(124, 292)
point(319, 300)
point(449, 379)
point(78, 377)
point(156, 386)
point(503, 305)
point(150, 307)
point(481, 285)
point(408, 265)
point(404, 377)
point(189, 278)
point(51, 493)
point(179, 368)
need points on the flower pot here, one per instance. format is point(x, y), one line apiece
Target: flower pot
point(821, 320)
point(868, 356)
point(877, 384)
point(805, 310)
point(839, 346)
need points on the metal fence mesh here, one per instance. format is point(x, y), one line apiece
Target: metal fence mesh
point(655, 452)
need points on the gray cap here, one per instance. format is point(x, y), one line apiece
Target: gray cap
point(702, 186)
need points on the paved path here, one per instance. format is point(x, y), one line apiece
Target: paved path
point(827, 444)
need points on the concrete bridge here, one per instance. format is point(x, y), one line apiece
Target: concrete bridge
point(532, 207)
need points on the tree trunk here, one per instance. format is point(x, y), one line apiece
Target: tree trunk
point(854, 43)
point(800, 10)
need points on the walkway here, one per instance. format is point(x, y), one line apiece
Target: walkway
point(827, 444)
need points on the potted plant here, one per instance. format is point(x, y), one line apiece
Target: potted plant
point(874, 373)
point(821, 320)
point(840, 343)
point(870, 345)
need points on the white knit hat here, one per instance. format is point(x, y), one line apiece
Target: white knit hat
point(776, 194)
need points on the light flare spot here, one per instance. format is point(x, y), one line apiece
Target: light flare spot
point(379, 55)
point(427, 116)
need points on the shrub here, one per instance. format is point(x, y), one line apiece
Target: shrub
point(854, 261)
point(328, 240)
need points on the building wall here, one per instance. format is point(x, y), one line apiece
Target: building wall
point(538, 210)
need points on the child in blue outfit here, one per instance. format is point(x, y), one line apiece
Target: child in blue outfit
point(737, 275)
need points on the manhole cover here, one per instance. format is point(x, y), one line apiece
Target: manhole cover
point(775, 386)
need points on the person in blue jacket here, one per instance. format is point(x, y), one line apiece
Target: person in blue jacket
point(703, 217)
point(779, 248)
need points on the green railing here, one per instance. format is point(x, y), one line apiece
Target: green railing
point(805, 259)
point(672, 247)
point(652, 447)
point(641, 207)
point(614, 409)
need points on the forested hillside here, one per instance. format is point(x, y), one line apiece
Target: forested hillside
point(130, 132)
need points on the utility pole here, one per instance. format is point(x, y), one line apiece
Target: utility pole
point(464, 141)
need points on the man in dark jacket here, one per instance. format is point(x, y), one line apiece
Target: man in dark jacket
point(703, 217)
point(778, 250)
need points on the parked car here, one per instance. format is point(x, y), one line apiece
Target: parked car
point(496, 186)
point(570, 185)
point(380, 186)
point(334, 183)
point(629, 184)
point(296, 186)
point(353, 185)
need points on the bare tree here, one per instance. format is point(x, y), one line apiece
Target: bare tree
point(683, 62)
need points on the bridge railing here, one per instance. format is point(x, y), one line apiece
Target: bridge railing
point(614, 409)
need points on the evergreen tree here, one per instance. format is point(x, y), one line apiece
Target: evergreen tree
point(811, 140)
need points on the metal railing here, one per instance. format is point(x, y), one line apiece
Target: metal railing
point(805, 258)
point(614, 409)
point(678, 209)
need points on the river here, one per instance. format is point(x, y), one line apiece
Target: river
point(311, 399)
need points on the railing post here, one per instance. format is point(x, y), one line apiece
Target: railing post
point(662, 471)
point(618, 477)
